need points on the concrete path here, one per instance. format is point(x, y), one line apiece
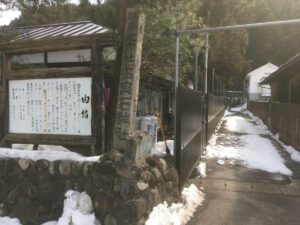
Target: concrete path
point(236, 195)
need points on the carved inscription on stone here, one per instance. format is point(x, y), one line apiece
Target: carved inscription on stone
point(50, 106)
point(130, 76)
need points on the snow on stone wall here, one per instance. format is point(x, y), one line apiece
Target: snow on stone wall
point(33, 191)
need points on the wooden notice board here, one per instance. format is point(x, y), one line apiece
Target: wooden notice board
point(50, 106)
point(61, 105)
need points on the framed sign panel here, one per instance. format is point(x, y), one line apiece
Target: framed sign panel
point(50, 106)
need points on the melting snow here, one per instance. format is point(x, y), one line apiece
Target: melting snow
point(202, 169)
point(241, 125)
point(221, 162)
point(9, 221)
point(255, 151)
point(160, 148)
point(177, 214)
point(295, 155)
point(45, 154)
point(78, 210)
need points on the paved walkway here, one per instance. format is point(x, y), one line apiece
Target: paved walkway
point(237, 195)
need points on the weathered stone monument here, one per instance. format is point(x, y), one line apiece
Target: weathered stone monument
point(135, 143)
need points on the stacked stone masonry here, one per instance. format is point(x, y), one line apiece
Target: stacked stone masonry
point(33, 191)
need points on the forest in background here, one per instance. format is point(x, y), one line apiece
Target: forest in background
point(232, 53)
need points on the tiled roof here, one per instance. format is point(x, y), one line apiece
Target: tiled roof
point(54, 30)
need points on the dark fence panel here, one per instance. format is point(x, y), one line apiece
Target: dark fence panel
point(216, 104)
point(261, 110)
point(195, 122)
point(216, 108)
point(281, 118)
point(190, 131)
point(285, 120)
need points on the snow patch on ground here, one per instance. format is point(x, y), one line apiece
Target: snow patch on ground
point(256, 153)
point(253, 150)
point(78, 210)
point(239, 108)
point(40, 147)
point(295, 155)
point(50, 223)
point(46, 155)
point(220, 162)
point(160, 148)
point(227, 113)
point(180, 213)
point(241, 125)
point(202, 170)
point(9, 221)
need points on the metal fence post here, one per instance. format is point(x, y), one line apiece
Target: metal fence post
point(175, 102)
point(196, 73)
point(213, 81)
point(206, 64)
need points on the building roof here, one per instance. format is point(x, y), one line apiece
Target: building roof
point(55, 30)
point(264, 70)
point(284, 70)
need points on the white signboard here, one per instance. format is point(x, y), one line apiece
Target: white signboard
point(50, 106)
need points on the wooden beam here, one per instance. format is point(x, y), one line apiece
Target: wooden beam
point(98, 105)
point(1, 68)
point(1, 96)
point(48, 73)
point(5, 67)
point(58, 43)
point(114, 93)
point(48, 139)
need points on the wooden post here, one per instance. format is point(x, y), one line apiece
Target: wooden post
point(114, 93)
point(5, 68)
point(130, 77)
point(98, 105)
point(1, 97)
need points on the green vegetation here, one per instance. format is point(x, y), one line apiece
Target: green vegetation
point(231, 53)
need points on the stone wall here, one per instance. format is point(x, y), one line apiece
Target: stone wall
point(33, 191)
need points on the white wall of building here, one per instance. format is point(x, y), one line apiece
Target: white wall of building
point(254, 90)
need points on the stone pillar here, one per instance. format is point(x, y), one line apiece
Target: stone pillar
point(129, 81)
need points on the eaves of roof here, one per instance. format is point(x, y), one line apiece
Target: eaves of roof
point(289, 66)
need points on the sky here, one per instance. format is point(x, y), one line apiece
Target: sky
point(8, 15)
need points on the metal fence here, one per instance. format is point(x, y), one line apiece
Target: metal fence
point(193, 127)
point(190, 131)
point(216, 104)
point(216, 107)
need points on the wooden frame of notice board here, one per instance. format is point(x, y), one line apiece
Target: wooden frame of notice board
point(85, 144)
